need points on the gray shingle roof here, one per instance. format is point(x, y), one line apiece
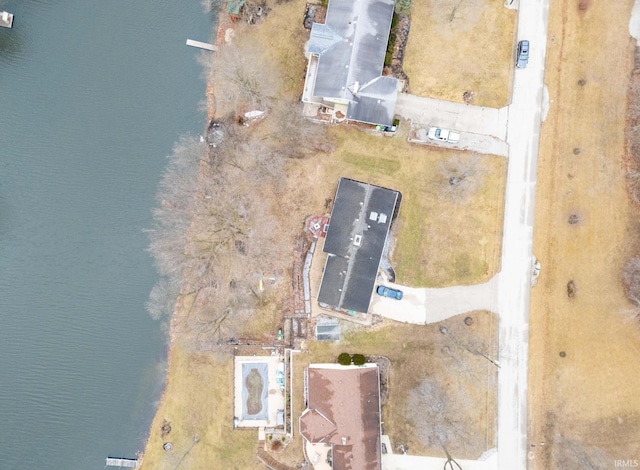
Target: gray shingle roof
point(360, 221)
point(351, 46)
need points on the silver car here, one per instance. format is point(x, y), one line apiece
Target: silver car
point(522, 54)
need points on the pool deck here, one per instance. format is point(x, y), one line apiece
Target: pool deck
point(275, 393)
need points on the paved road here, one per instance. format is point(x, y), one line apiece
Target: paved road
point(523, 135)
point(519, 126)
point(414, 462)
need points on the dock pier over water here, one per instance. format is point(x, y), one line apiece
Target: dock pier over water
point(121, 462)
point(6, 19)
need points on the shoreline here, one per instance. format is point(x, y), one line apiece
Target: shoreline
point(224, 23)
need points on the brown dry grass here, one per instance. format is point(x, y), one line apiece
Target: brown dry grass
point(473, 52)
point(439, 242)
point(584, 406)
point(198, 402)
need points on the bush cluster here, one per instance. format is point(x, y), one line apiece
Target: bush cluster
point(346, 359)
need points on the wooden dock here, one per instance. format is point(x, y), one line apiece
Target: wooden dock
point(201, 45)
point(120, 462)
point(6, 19)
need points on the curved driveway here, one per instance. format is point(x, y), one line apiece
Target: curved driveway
point(426, 305)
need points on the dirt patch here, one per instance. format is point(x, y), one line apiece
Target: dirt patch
point(254, 385)
point(583, 5)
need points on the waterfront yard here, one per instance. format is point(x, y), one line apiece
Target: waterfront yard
point(442, 238)
point(448, 232)
point(463, 379)
point(198, 406)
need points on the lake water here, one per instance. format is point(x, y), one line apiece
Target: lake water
point(93, 93)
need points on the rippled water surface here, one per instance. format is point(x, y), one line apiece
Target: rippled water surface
point(93, 93)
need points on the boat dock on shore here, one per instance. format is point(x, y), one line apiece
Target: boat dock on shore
point(6, 19)
point(120, 462)
point(201, 45)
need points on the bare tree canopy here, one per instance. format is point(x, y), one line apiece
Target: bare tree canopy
point(218, 226)
point(437, 416)
point(460, 177)
point(242, 77)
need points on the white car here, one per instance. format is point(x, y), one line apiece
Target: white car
point(445, 135)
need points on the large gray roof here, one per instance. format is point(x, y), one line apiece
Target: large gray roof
point(359, 225)
point(351, 46)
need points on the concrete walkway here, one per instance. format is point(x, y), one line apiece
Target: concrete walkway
point(429, 305)
point(414, 462)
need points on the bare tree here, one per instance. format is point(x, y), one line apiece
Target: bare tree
point(460, 177)
point(218, 225)
point(436, 417)
point(173, 214)
point(242, 77)
point(216, 232)
point(297, 137)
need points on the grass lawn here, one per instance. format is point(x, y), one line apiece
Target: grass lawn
point(584, 405)
point(198, 403)
point(440, 241)
point(456, 46)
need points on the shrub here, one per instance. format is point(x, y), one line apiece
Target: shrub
point(392, 43)
point(394, 21)
point(359, 359)
point(344, 359)
point(403, 7)
point(388, 57)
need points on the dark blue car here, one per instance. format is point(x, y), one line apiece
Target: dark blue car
point(389, 292)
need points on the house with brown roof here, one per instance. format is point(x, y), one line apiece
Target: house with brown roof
point(341, 424)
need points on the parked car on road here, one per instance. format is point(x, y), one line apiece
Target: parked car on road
point(445, 135)
point(385, 291)
point(522, 54)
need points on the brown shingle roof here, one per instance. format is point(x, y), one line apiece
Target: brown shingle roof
point(315, 427)
point(344, 410)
